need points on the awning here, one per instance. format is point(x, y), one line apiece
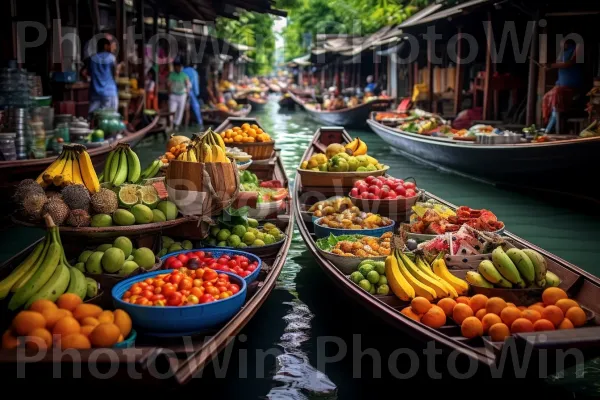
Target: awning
point(449, 12)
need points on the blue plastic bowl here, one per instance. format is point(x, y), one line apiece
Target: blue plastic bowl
point(127, 343)
point(217, 252)
point(176, 320)
point(323, 231)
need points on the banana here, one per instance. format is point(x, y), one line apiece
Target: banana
point(440, 269)
point(56, 285)
point(362, 148)
point(523, 264)
point(192, 155)
point(55, 168)
point(77, 178)
point(77, 283)
point(121, 174)
point(425, 267)
point(58, 178)
point(88, 173)
point(491, 274)
point(220, 141)
point(476, 279)
point(30, 262)
point(506, 267)
point(399, 285)
point(134, 169)
point(39, 279)
point(114, 166)
point(540, 266)
point(67, 173)
point(91, 287)
point(180, 157)
point(155, 169)
point(108, 166)
point(420, 289)
point(38, 262)
point(552, 279)
point(440, 290)
point(352, 146)
point(207, 153)
point(145, 173)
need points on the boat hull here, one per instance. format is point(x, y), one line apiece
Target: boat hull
point(217, 117)
point(354, 117)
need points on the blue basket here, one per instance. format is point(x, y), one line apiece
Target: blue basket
point(218, 252)
point(127, 343)
point(172, 321)
point(323, 231)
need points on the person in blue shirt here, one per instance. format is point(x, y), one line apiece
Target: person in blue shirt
point(194, 92)
point(370, 84)
point(102, 70)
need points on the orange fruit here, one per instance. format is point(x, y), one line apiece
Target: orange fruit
point(481, 313)
point(410, 314)
point(42, 304)
point(498, 332)
point(66, 326)
point(26, 321)
point(90, 321)
point(553, 294)
point(478, 302)
point(509, 315)
point(447, 304)
point(120, 338)
point(471, 327)
point(420, 305)
point(106, 317)
point(105, 335)
point(565, 304)
point(9, 341)
point(543, 325)
point(553, 314)
point(86, 310)
point(576, 315)
point(536, 307)
point(87, 329)
point(521, 325)
point(522, 308)
point(495, 305)
point(123, 321)
point(238, 138)
point(566, 324)
point(462, 299)
point(509, 304)
point(461, 312)
point(52, 316)
point(489, 320)
point(74, 341)
point(434, 318)
point(68, 301)
point(39, 338)
point(531, 315)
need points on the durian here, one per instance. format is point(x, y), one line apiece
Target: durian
point(32, 206)
point(26, 188)
point(78, 218)
point(57, 209)
point(104, 202)
point(76, 197)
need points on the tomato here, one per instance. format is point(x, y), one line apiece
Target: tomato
point(158, 283)
point(196, 291)
point(221, 282)
point(410, 185)
point(197, 283)
point(182, 257)
point(168, 289)
point(244, 264)
point(174, 299)
point(410, 193)
point(224, 295)
point(200, 254)
point(142, 301)
point(185, 284)
point(176, 264)
point(199, 273)
point(170, 261)
point(175, 279)
point(192, 299)
point(157, 297)
point(232, 263)
point(238, 271)
point(213, 291)
point(210, 275)
point(206, 298)
point(143, 285)
point(245, 274)
point(234, 287)
point(149, 281)
point(226, 256)
point(251, 268)
point(207, 284)
point(136, 290)
point(222, 289)
point(184, 292)
point(127, 294)
point(160, 303)
point(147, 294)
point(158, 290)
point(222, 261)
point(126, 300)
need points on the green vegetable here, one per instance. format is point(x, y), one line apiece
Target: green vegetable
point(232, 217)
point(328, 243)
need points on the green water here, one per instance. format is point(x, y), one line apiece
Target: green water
point(305, 307)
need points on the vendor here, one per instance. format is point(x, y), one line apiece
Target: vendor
point(179, 87)
point(568, 86)
point(370, 85)
point(102, 70)
point(192, 75)
point(336, 102)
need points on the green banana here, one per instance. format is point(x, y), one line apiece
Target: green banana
point(133, 166)
point(54, 287)
point(540, 266)
point(91, 287)
point(27, 276)
point(77, 283)
point(107, 167)
point(523, 263)
point(39, 279)
point(476, 279)
point(146, 172)
point(101, 177)
point(155, 169)
point(552, 279)
point(114, 166)
point(488, 270)
point(63, 257)
point(121, 174)
point(27, 264)
point(506, 267)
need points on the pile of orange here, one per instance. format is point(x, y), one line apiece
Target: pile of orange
point(174, 152)
point(245, 134)
point(478, 315)
point(69, 324)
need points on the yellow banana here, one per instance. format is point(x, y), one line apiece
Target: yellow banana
point(353, 145)
point(206, 149)
point(216, 157)
point(77, 179)
point(192, 155)
point(361, 150)
point(441, 270)
point(420, 289)
point(88, 173)
point(219, 141)
point(58, 179)
point(424, 266)
point(440, 290)
point(185, 156)
point(55, 168)
point(399, 285)
point(180, 157)
point(67, 173)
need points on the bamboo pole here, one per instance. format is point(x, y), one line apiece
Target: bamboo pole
point(488, 69)
point(459, 74)
point(532, 80)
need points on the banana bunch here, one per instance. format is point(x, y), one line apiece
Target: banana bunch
point(44, 274)
point(208, 148)
point(73, 166)
point(408, 278)
point(518, 268)
point(151, 171)
point(357, 147)
point(122, 165)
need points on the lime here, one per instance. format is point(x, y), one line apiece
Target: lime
point(144, 257)
point(143, 214)
point(169, 209)
point(356, 277)
point(373, 277)
point(239, 230)
point(101, 220)
point(104, 247)
point(258, 243)
point(234, 240)
point(371, 167)
point(214, 231)
point(269, 239)
point(248, 238)
point(223, 235)
point(123, 217)
point(222, 243)
point(242, 245)
point(382, 280)
point(161, 253)
point(260, 236)
point(372, 290)
point(383, 290)
point(365, 269)
point(123, 243)
point(187, 245)
point(252, 223)
point(167, 241)
point(276, 233)
point(379, 267)
point(268, 226)
point(149, 196)
point(84, 256)
point(158, 216)
point(128, 196)
point(365, 285)
point(175, 247)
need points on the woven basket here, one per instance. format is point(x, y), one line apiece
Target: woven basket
point(335, 179)
point(258, 151)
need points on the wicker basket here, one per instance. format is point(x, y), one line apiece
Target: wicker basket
point(258, 151)
point(336, 179)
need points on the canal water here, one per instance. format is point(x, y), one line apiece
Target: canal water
point(282, 351)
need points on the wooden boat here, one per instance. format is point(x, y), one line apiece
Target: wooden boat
point(274, 88)
point(257, 103)
point(286, 102)
point(217, 117)
point(13, 172)
point(541, 165)
point(353, 117)
point(151, 353)
point(580, 285)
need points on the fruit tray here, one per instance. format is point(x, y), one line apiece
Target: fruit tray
point(323, 231)
point(266, 251)
point(347, 265)
point(335, 179)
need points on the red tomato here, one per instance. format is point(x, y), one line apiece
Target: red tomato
point(222, 261)
point(245, 273)
point(410, 185)
point(200, 254)
point(196, 291)
point(168, 289)
point(160, 303)
point(210, 275)
point(238, 271)
point(244, 264)
point(234, 287)
point(364, 195)
point(176, 264)
point(410, 193)
point(147, 294)
point(185, 284)
point(193, 299)
point(224, 277)
point(392, 195)
point(226, 269)
point(378, 183)
point(142, 301)
point(354, 192)
point(158, 290)
point(222, 289)
point(199, 273)
point(175, 279)
point(149, 281)
point(184, 292)
point(157, 297)
point(127, 294)
point(136, 290)
point(214, 266)
point(143, 285)
point(169, 261)
point(372, 196)
point(158, 283)
point(251, 268)
point(213, 291)
point(226, 256)
point(183, 258)
point(197, 282)
point(206, 298)
point(363, 188)
point(174, 299)
point(232, 263)
point(207, 284)
point(220, 282)
point(369, 179)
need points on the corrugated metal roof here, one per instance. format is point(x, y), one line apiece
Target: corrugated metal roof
point(458, 9)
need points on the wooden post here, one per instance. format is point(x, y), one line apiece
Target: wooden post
point(376, 62)
point(430, 51)
point(58, 35)
point(155, 53)
point(15, 36)
point(459, 74)
point(121, 31)
point(95, 17)
point(532, 80)
point(141, 42)
point(488, 69)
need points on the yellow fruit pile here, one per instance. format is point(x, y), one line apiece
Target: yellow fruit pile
point(72, 167)
point(68, 324)
point(245, 134)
